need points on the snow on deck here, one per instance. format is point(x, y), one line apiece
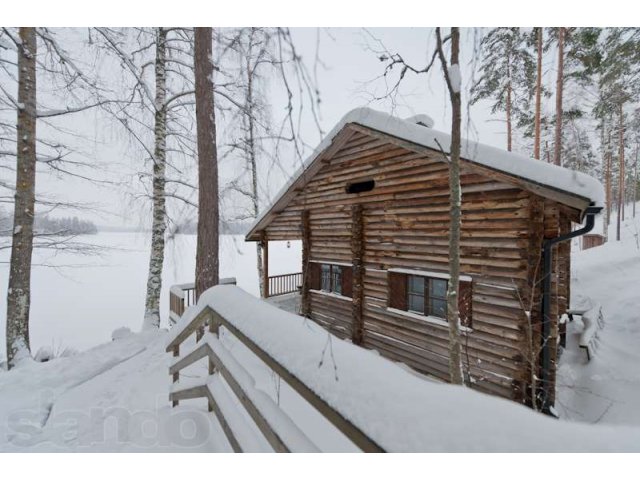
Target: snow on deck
point(397, 409)
point(111, 398)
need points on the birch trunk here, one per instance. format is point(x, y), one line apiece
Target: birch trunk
point(536, 143)
point(557, 148)
point(156, 261)
point(19, 288)
point(251, 146)
point(455, 199)
point(207, 263)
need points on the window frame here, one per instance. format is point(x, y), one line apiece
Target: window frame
point(334, 279)
point(401, 288)
point(427, 295)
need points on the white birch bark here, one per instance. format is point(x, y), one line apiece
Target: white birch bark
point(159, 224)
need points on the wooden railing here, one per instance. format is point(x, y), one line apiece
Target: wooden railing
point(282, 434)
point(182, 296)
point(283, 284)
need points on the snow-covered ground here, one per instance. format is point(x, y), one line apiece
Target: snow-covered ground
point(77, 301)
point(605, 390)
point(113, 396)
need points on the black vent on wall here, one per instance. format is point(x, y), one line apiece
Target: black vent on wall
point(359, 187)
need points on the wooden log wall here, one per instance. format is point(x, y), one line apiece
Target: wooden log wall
point(405, 224)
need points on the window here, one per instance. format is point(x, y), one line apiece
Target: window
point(415, 294)
point(427, 295)
point(331, 278)
point(326, 278)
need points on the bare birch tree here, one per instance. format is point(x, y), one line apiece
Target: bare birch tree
point(454, 84)
point(169, 144)
point(159, 222)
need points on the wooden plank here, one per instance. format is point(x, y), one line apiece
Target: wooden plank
point(352, 432)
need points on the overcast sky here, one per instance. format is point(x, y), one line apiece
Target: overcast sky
point(349, 77)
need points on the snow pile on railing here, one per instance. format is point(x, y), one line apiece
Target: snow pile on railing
point(394, 407)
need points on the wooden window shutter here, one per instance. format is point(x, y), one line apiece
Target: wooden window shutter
point(314, 276)
point(347, 282)
point(465, 296)
point(397, 290)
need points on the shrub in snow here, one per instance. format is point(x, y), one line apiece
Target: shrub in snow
point(44, 354)
point(67, 352)
point(122, 332)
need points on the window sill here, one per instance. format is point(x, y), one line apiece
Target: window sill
point(430, 274)
point(331, 294)
point(427, 318)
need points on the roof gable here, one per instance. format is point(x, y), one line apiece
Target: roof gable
point(566, 186)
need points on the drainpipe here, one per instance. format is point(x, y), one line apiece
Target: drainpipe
point(548, 244)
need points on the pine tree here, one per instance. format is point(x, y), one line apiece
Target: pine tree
point(19, 290)
point(619, 68)
point(508, 76)
point(207, 250)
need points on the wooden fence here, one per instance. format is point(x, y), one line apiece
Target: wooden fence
point(591, 240)
point(182, 296)
point(283, 284)
point(282, 434)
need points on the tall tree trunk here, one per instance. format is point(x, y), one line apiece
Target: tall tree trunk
point(607, 211)
point(19, 289)
point(538, 112)
point(635, 186)
point(455, 200)
point(557, 148)
point(621, 169)
point(156, 261)
point(509, 122)
point(251, 146)
point(207, 263)
point(508, 106)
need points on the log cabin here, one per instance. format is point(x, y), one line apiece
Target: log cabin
point(371, 206)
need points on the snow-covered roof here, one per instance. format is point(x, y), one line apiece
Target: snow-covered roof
point(418, 130)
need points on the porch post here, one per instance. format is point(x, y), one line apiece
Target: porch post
point(265, 263)
point(305, 301)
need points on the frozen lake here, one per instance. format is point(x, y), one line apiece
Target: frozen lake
point(77, 301)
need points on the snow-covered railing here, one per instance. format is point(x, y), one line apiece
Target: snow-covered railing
point(378, 404)
point(183, 295)
point(283, 284)
point(278, 429)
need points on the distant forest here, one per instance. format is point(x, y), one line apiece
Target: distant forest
point(44, 224)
